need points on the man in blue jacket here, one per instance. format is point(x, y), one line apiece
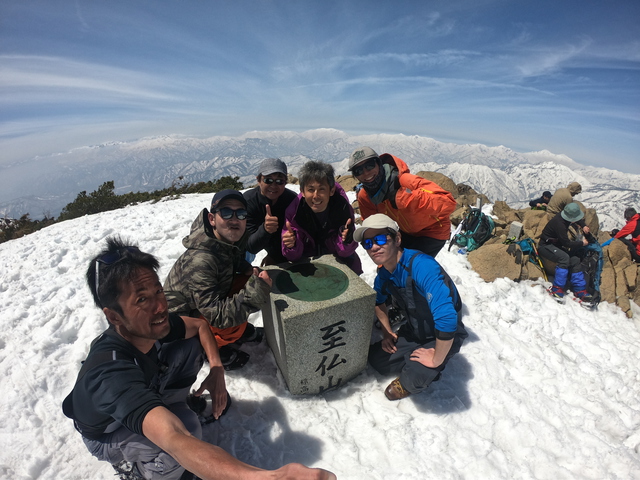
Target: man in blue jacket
point(419, 287)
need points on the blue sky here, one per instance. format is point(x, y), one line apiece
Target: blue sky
point(531, 75)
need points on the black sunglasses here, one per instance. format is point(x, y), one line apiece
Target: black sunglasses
point(227, 213)
point(381, 239)
point(277, 181)
point(359, 170)
point(109, 259)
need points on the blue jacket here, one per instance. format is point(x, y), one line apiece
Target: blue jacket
point(425, 293)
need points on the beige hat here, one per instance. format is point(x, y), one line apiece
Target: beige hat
point(379, 220)
point(360, 155)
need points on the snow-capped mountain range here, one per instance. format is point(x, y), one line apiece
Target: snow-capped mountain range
point(153, 163)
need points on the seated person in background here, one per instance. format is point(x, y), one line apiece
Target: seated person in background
point(129, 402)
point(563, 197)
point(266, 205)
point(212, 280)
point(320, 220)
point(556, 246)
point(421, 289)
point(420, 207)
point(632, 228)
point(541, 203)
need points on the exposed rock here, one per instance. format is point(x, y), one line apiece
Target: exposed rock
point(533, 223)
point(440, 180)
point(493, 261)
point(608, 284)
point(347, 182)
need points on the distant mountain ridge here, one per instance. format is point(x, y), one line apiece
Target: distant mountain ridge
point(156, 162)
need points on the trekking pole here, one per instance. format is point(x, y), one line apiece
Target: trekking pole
point(539, 262)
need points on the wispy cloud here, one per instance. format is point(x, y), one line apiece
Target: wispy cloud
point(53, 74)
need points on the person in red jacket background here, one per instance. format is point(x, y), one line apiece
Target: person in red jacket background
point(632, 228)
point(421, 208)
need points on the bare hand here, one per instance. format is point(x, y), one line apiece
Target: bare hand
point(424, 356)
point(215, 385)
point(265, 276)
point(389, 342)
point(296, 471)
point(585, 242)
point(586, 229)
point(345, 231)
point(270, 222)
point(288, 236)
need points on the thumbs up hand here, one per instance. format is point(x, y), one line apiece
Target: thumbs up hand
point(345, 231)
point(270, 221)
point(288, 236)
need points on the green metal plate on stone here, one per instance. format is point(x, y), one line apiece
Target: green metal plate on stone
point(312, 282)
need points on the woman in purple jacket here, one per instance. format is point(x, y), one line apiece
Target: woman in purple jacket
point(320, 220)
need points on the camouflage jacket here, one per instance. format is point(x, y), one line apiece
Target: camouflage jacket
point(200, 280)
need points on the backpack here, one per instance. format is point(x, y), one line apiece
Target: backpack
point(529, 248)
point(473, 231)
point(591, 263)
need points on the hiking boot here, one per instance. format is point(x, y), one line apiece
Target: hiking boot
point(584, 296)
point(252, 334)
point(557, 293)
point(233, 359)
point(395, 390)
point(127, 471)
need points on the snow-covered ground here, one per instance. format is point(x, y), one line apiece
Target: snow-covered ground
point(539, 390)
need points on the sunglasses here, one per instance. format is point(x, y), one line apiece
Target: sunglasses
point(227, 213)
point(378, 240)
point(277, 181)
point(109, 259)
point(360, 169)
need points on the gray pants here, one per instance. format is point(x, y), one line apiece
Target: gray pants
point(414, 376)
point(185, 359)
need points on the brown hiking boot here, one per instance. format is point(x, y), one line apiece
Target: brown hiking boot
point(395, 390)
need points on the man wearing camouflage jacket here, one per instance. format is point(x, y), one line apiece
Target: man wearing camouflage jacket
point(212, 280)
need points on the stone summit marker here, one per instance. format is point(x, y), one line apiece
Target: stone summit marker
point(318, 324)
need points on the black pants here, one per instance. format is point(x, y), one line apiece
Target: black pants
point(414, 376)
point(428, 245)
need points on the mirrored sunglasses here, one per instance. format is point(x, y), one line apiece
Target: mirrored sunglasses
point(277, 181)
point(227, 213)
point(360, 169)
point(381, 239)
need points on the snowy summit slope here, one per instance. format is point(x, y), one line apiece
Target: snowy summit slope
point(539, 390)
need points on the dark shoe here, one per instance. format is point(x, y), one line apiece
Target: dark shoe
point(395, 391)
point(203, 407)
point(127, 471)
point(251, 334)
point(187, 475)
point(233, 359)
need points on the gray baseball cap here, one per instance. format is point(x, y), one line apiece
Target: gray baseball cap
point(379, 220)
point(272, 165)
point(360, 155)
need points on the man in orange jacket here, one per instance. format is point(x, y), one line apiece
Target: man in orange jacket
point(420, 207)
